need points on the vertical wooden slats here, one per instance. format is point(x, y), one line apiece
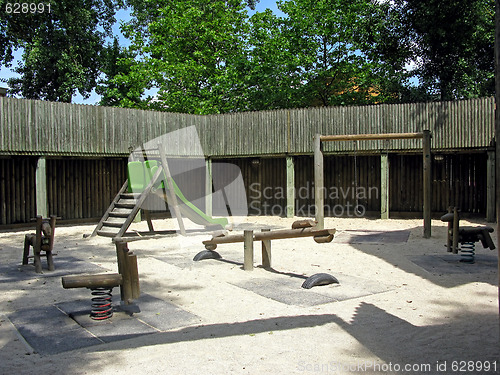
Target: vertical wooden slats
point(33, 126)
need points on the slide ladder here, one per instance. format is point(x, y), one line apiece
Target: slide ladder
point(119, 215)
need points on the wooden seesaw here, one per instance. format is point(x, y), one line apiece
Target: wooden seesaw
point(300, 228)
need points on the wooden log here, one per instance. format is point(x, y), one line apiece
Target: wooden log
point(272, 235)
point(323, 239)
point(106, 280)
point(248, 250)
point(126, 287)
point(306, 223)
point(134, 275)
point(266, 251)
point(358, 137)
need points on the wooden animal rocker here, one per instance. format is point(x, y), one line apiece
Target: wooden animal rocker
point(465, 236)
point(41, 241)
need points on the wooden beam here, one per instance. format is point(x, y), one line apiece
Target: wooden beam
point(41, 187)
point(359, 137)
point(171, 190)
point(279, 234)
point(490, 187)
point(208, 187)
point(266, 251)
point(290, 186)
point(384, 186)
point(319, 182)
point(427, 182)
point(106, 280)
point(248, 250)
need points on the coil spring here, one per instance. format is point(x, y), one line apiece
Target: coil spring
point(468, 251)
point(102, 306)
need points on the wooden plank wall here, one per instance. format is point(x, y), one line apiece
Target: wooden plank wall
point(340, 184)
point(83, 188)
point(457, 180)
point(17, 190)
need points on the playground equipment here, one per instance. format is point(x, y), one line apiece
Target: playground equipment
point(465, 236)
point(319, 182)
point(101, 285)
point(41, 241)
point(145, 179)
point(301, 228)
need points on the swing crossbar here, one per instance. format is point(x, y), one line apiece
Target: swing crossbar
point(360, 137)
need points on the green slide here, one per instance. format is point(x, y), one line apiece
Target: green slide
point(188, 209)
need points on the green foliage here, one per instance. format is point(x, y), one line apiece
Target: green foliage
point(212, 57)
point(193, 51)
point(61, 49)
point(453, 45)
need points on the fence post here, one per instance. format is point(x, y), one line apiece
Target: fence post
point(319, 182)
point(490, 187)
point(41, 187)
point(290, 186)
point(208, 187)
point(384, 186)
point(427, 185)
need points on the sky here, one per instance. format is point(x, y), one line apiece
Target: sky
point(123, 15)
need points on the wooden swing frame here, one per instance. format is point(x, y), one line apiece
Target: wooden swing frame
point(319, 180)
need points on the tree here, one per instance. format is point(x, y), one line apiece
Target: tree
point(325, 52)
point(452, 42)
point(62, 47)
point(113, 87)
point(193, 51)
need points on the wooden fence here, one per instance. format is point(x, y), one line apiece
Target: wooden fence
point(86, 148)
point(57, 129)
point(83, 188)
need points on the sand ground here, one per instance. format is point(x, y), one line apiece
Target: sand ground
point(402, 306)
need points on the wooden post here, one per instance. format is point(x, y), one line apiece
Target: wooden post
point(456, 227)
point(147, 215)
point(48, 252)
point(41, 187)
point(319, 183)
point(497, 131)
point(266, 251)
point(248, 250)
point(123, 269)
point(208, 187)
point(384, 186)
point(427, 183)
point(490, 187)
point(290, 186)
point(37, 248)
point(134, 275)
point(171, 190)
